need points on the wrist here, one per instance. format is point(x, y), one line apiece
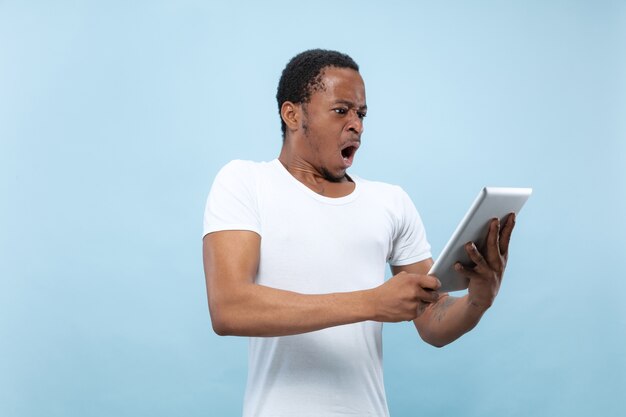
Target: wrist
point(477, 306)
point(368, 305)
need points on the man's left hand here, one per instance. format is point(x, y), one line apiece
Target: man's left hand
point(485, 276)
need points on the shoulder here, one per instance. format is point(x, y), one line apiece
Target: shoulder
point(239, 170)
point(239, 166)
point(232, 201)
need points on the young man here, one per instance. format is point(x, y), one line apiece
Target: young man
point(295, 252)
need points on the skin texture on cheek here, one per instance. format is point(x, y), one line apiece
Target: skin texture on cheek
point(322, 168)
point(314, 142)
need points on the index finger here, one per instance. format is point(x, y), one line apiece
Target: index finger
point(429, 282)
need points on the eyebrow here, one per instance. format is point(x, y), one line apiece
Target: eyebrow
point(350, 104)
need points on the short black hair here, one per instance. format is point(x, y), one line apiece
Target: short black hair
point(302, 76)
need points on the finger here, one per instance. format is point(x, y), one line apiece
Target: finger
point(427, 286)
point(505, 234)
point(428, 296)
point(427, 282)
point(468, 273)
point(430, 282)
point(493, 244)
point(475, 256)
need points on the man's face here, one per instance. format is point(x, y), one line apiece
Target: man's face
point(332, 122)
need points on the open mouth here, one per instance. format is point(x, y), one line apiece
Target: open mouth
point(347, 153)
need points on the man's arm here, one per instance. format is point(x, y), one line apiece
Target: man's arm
point(449, 318)
point(238, 306)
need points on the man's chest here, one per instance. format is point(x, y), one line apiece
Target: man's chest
point(322, 243)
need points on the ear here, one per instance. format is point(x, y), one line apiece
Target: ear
point(291, 114)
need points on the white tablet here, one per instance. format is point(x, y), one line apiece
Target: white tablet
point(491, 202)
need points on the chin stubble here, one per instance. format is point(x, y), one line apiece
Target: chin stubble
point(330, 177)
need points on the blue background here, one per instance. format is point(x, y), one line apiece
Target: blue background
point(115, 117)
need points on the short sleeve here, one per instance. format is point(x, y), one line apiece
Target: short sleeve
point(232, 202)
point(409, 244)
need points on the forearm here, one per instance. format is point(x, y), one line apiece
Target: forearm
point(256, 310)
point(448, 319)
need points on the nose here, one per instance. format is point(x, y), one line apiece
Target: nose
point(355, 124)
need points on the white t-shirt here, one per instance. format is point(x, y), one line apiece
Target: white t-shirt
point(313, 244)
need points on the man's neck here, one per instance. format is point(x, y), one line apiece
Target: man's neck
point(310, 176)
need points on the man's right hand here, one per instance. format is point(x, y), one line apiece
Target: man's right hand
point(404, 297)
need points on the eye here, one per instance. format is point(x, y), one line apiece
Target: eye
point(341, 110)
point(361, 114)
